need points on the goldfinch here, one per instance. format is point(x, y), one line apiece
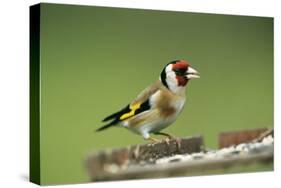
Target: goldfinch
point(157, 106)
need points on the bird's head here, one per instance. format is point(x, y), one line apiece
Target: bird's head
point(176, 74)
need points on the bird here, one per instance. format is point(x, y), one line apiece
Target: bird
point(158, 105)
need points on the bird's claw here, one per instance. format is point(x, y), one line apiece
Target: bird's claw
point(178, 142)
point(153, 140)
point(168, 139)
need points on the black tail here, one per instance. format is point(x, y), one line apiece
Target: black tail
point(116, 118)
point(114, 122)
point(118, 114)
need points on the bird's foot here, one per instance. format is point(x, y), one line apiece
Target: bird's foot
point(165, 134)
point(169, 138)
point(153, 140)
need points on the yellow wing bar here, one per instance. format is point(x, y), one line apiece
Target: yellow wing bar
point(132, 112)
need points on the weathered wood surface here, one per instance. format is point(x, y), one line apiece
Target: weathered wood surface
point(227, 139)
point(185, 168)
point(109, 161)
point(142, 161)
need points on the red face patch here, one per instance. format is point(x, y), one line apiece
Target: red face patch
point(182, 81)
point(182, 64)
point(180, 68)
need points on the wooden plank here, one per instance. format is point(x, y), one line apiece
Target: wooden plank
point(183, 159)
point(185, 168)
point(227, 139)
point(109, 161)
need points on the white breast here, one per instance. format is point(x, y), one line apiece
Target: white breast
point(178, 104)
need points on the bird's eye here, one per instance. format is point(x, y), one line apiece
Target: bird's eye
point(179, 71)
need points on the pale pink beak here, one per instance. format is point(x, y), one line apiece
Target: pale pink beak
point(192, 73)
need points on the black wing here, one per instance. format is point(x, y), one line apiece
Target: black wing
point(125, 113)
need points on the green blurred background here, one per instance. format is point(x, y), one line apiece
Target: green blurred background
point(94, 60)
